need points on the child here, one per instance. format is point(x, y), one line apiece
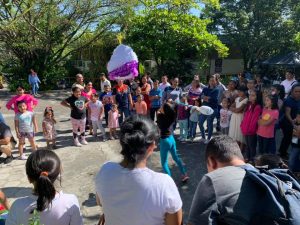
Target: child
point(266, 124)
point(113, 121)
point(138, 92)
point(140, 106)
point(96, 111)
point(107, 99)
point(4, 207)
point(237, 110)
point(294, 158)
point(182, 116)
point(26, 127)
point(225, 115)
point(43, 170)
point(155, 96)
point(249, 123)
point(49, 131)
point(251, 85)
point(77, 104)
point(165, 118)
point(194, 118)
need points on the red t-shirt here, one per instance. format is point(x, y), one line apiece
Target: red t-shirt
point(268, 131)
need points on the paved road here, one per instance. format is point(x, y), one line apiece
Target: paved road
point(80, 165)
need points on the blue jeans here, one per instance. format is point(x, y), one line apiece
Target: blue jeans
point(126, 112)
point(35, 88)
point(183, 125)
point(210, 123)
point(169, 145)
point(193, 127)
point(294, 159)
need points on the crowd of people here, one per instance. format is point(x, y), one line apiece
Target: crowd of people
point(142, 113)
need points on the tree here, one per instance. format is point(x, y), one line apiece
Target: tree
point(165, 31)
point(259, 28)
point(42, 34)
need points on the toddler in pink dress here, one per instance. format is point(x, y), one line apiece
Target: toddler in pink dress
point(113, 121)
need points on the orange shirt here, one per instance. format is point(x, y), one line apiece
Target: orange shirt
point(141, 108)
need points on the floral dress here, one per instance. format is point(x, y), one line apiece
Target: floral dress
point(50, 133)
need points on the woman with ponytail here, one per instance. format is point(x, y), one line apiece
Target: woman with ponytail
point(43, 169)
point(129, 191)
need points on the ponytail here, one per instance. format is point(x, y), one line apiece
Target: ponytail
point(43, 169)
point(45, 191)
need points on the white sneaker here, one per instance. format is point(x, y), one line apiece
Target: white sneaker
point(77, 143)
point(23, 157)
point(206, 141)
point(83, 141)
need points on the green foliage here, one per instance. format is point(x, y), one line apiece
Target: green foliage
point(42, 34)
point(259, 28)
point(166, 32)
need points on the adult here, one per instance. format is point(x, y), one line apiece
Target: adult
point(196, 78)
point(223, 195)
point(131, 188)
point(259, 82)
point(146, 88)
point(194, 92)
point(155, 98)
point(34, 81)
point(134, 84)
point(122, 97)
point(30, 101)
point(43, 169)
point(210, 98)
point(6, 142)
point(104, 82)
point(149, 80)
point(79, 82)
point(291, 106)
point(88, 90)
point(242, 81)
point(164, 83)
point(172, 93)
point(288, 82)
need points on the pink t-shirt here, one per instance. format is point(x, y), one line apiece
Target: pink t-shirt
point(28, 99)
point(141, 108)
point(88, 95)
point(268, 131)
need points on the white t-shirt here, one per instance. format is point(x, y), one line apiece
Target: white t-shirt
point(64, 210)
point(225, 118)
point(105, 83)
point(95, 109)
point(136, 197)
point(288, 84)
point(162, 86)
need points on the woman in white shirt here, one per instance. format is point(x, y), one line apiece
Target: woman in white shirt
point(43, 168)
point(131, 193)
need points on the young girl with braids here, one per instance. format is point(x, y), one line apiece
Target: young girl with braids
point(43, 169)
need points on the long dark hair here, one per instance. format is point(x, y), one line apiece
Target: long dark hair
point(137, 134)
point(279, 88)
point(274, 101)
point(43, 168)
point(259, 100)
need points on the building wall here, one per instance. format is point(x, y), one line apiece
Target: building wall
point(226, 66)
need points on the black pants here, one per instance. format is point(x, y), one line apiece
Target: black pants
point(152, 113)
point(264, 145)
point(251, 142)
point(287, 131)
